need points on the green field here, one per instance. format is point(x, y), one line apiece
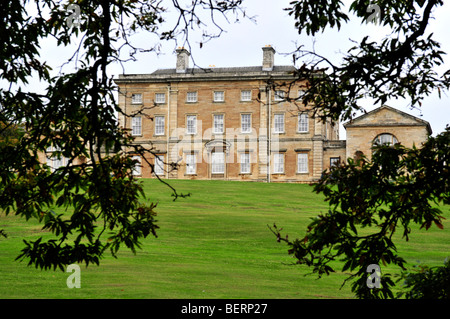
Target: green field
point(214, 244)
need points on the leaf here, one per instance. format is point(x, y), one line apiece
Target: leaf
point(438, 224)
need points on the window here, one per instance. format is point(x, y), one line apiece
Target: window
point(301, 93)
point(278, 163)
point(218, 124)
point(159, 165)
point(191, 124)
point(217, 163)
point(159, 125)
point(246, 95)
point(190, 164)
point(136, 126)
point(385, 139)
point(279, 95)
point(56, 162)
point(136, 98)
point(137, 170)
point(302, 163)
point(303, 122)
point(219, 96)
point(246, 123)
point(245, 163)
point(160, 98)
point(279, 123)
point(334, 161)
point(191, 97)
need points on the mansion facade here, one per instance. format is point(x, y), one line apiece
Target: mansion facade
point(232, 124)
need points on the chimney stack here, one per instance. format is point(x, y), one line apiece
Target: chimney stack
point(268, 58)
point(182, 60)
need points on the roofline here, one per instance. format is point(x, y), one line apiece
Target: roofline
point(208, 74)
point(350, 123)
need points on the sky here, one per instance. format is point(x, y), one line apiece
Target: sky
point(241, 43)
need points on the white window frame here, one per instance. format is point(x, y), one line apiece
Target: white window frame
point(159, 165)
point(382, 139)
point(278, 163)
point(136, 126)
point(56, 162)
point(219, 96)
point(137, 170)
point(245, 163)
point(191, 124)
point(191, 97)
point(160, 98)
point(303, 123)
point(278, 123)
point(218, 123)
point(246, 123)
point(246, 95)
point(160, 125)
point(279, 95)
point(191, 165)
point(302, 163)
point(136, 98)
point(217, 163)
point(334, 161)
point(301, 93)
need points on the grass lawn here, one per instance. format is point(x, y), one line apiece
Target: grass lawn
point(214, 244)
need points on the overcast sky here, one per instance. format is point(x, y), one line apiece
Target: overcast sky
point(241, 45)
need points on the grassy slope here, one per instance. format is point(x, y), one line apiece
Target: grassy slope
point(215, 244)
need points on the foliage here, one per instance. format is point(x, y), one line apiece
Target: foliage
point(75, 121)
point(371, 200)
point(427, 282)
point(401, 65)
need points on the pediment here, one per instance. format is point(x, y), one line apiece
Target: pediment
point(387, 116)
point(217, 144)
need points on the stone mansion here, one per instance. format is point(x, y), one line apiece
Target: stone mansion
point(228, 123)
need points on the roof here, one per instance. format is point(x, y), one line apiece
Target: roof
point(211, 74)
point(245, 69)
point(411, 120)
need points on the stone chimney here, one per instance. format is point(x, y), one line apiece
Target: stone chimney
point(268, 58)
point(182, 60)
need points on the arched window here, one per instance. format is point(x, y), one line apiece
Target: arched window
point(385, 139)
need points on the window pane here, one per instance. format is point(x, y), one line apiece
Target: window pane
point(159, 125)
point(159, 165)
point(334, 161)
point(136, 125)
point(217, 163)
point(190, 164)
point(302, 163)
point(245, 163)
point(160, 98)
point(218, 123)
point(246, 95)
point(303, 122)
point(245, 123)
point(387, 139)
point(137, 167)
point(278, 163)
point(191, 125)
point(136, 98)
point(279, 123)
point(279, 95)
point(301, 93)
point(219, 96)
point(192, 97)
